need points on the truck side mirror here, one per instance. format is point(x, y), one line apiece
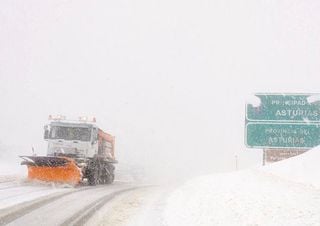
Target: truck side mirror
point(46, 132)
point(95, 136)
point(94, 141)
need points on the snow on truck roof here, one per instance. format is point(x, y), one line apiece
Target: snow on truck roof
point(81, 121)
point(80, 118)
point(72, 124)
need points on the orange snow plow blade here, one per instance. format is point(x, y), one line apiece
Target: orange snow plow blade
point(52, 169)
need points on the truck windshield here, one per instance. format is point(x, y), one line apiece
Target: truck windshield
point(70, 133)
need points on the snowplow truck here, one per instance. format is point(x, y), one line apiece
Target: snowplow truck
point(78, 151)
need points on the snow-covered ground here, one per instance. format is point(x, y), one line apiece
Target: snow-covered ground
point(140, 207)
point(303, 169)
point(283, 193)
point(10, 167)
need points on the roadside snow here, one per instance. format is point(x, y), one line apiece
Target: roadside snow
point(303, 168)
point(140, 207)
point(285, 193)
point(10, 167)
point(11, 170)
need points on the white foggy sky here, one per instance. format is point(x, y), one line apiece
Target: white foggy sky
point(168, 78)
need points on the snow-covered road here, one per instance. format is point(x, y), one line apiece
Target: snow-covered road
point(16, 192)
point(39, 204)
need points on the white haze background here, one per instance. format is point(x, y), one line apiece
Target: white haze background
point(168, 78)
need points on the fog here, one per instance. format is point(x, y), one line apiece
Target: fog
point(168, 78)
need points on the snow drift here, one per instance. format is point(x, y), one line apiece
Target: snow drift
point(10, 164)
point(303, 168)
point(283, 193)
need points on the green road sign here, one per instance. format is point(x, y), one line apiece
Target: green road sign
point(282, 135)
point(285, 108)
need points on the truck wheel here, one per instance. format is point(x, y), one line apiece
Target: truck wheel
point(109, 179)
point(93, 178)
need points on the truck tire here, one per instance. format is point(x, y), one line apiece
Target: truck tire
point(104, 176)
point(110, 179)
point(93, 178)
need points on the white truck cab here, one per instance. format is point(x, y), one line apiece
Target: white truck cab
point(72, 138)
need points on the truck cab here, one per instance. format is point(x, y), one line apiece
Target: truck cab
point(74, 139)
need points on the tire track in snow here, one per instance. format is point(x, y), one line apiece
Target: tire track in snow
point(23, 193)
point(12, 213)
point(81, 217)
point(10, 186)
point(10, 178)
point(140, 207)
point(6, 180)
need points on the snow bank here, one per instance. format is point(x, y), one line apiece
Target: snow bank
point(12, 167)
point(303, 168)
point(10, 164)
point(278, 194)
